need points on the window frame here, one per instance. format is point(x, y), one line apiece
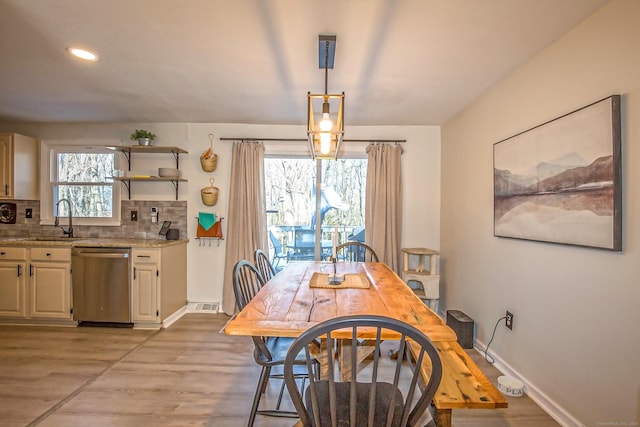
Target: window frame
point(49, 150)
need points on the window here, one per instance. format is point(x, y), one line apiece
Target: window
point(82, 175)
point(292, 211)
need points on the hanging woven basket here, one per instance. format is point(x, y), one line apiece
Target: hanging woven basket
point(209, 164)
point(208, 159)
point(209, 194)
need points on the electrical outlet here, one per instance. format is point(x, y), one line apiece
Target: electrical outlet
point(134, 215)
point(508, 321)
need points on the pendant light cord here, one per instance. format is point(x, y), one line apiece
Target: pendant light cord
point(326, 67)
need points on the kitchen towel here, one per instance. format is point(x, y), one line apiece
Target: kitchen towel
point(206, 220)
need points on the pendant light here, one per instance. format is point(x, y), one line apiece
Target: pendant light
point(325, 120)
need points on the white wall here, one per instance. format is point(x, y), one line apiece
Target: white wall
point(205, 264)
point(576, 336)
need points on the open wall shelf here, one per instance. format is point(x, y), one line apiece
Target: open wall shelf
point(128, 152)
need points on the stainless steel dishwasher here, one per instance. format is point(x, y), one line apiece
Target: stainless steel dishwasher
point(101, 285)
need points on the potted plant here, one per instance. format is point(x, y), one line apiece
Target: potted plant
point(144, 137)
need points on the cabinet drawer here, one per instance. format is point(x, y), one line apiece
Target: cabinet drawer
point(13, 253)
point(50, 254)
point(145, 255)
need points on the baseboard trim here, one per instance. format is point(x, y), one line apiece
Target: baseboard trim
point(548, 405)
point(174, 317)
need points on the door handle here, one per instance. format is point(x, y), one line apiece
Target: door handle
point(19, 270)
point(30, 270)
point(134, 273)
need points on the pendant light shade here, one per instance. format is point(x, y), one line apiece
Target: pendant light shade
point(325, 120)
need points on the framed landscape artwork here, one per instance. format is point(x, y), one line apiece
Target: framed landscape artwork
point(560, 182)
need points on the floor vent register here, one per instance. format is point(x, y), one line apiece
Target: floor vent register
point(203, 307)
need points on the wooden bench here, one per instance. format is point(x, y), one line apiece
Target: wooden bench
point(463, 384)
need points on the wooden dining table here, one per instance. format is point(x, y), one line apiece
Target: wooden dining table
point(287, 305)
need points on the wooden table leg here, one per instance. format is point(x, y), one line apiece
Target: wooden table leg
point(342, 355)
point(364, 350)
point(442, 417)
point(319, 352)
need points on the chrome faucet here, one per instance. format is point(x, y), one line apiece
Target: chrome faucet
point(68, 232)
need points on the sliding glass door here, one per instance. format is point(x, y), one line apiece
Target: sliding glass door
point(302, 220)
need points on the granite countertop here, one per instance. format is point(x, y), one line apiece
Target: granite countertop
point(90, 242)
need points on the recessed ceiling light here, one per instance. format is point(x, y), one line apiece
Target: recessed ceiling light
point(83, 54)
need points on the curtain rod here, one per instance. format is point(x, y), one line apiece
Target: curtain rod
point(373, 141)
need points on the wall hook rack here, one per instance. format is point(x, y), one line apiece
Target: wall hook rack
point(204, 237)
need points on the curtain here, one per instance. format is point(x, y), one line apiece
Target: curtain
point(246, 227)
point(383, 208)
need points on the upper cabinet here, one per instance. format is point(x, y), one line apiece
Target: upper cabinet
point(18, 167)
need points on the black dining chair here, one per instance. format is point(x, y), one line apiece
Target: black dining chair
point(356, 251)
point(269, 352)
point(384, 393)
point(264, 265)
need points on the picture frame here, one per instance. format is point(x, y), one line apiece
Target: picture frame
point(561, 181)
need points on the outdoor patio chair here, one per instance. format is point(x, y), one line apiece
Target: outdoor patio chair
point(278, 254)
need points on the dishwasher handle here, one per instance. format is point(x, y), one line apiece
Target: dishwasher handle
point(102, 255)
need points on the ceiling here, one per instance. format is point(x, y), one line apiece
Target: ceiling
point(403, 62)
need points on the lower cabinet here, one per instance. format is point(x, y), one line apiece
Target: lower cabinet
point(159, 283)
point(144, 287)
point(50, 283)
point(35, 283)
point(13, 262)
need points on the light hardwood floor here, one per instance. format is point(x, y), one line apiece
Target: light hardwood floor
point(186, 375)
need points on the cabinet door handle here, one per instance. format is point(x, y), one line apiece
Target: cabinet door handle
point(48, 254)
point(6, 189)
point(30, 270)
point(19, 270)
point(134, 273)
point(3, 253)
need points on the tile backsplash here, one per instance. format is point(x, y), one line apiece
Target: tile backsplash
point(174, 211)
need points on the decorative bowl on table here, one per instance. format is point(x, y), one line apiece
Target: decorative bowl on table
point(169, 172)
